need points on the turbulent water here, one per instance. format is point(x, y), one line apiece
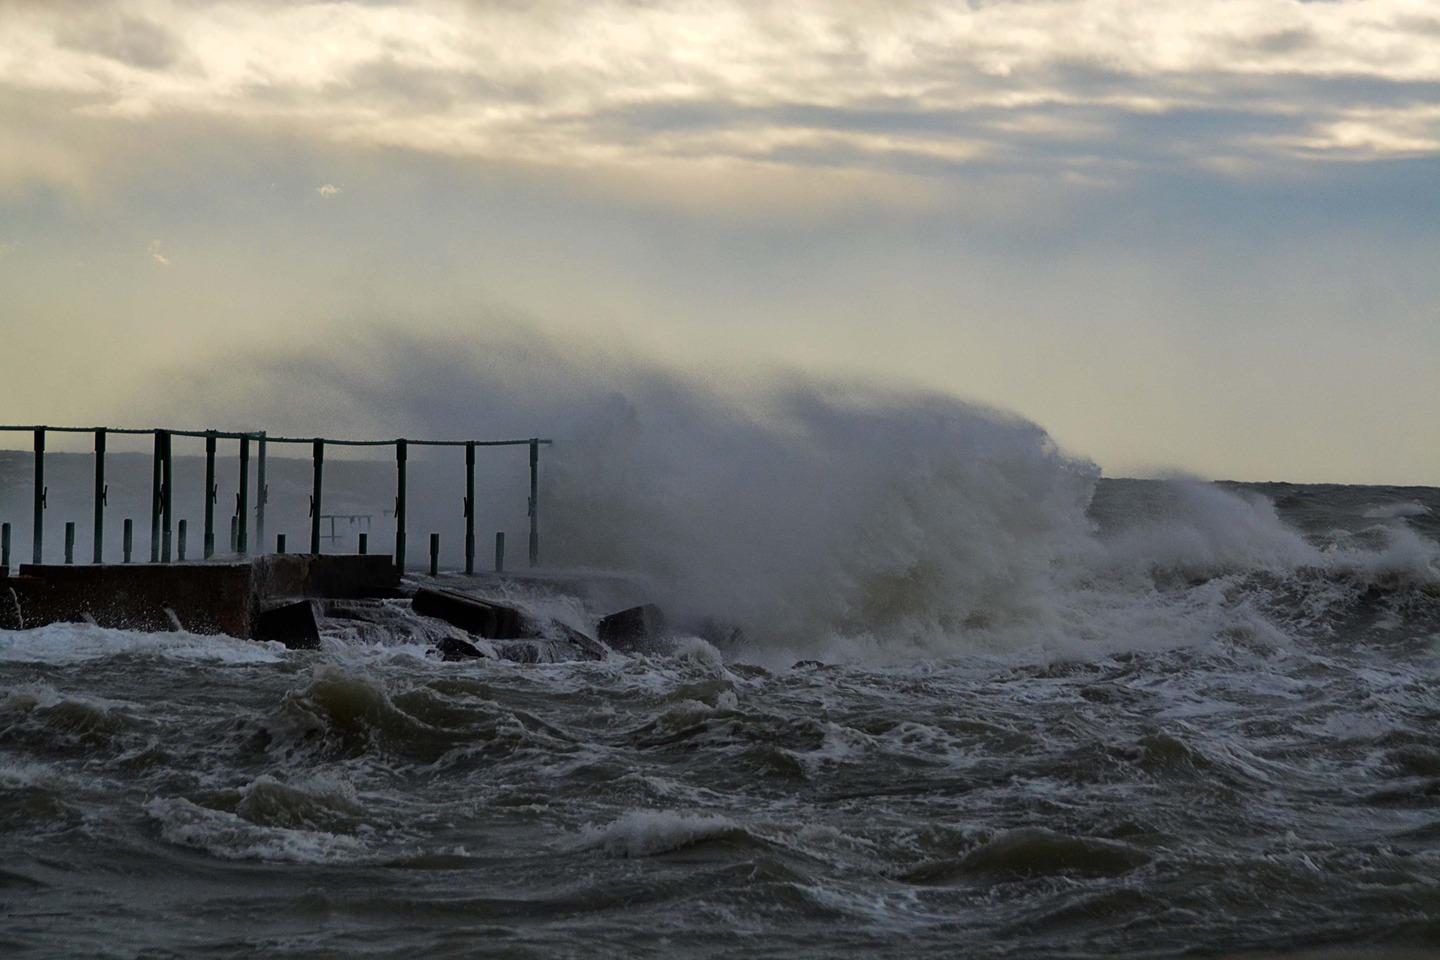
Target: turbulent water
point(1060, 719)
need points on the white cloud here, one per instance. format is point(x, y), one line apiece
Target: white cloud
point(836, 83)
point(156, 255)
point(328, 190)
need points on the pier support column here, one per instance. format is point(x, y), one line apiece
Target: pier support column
point(208, 546)
point(534, 503)
point(319, 469)
point(469, 509)
point(101, 495)
point(37, 545)
point(242, 502)
point(400, 456)
point(155, 501)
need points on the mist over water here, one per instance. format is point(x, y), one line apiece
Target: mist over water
point(942, 689)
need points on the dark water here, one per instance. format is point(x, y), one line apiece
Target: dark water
point(1211, 730)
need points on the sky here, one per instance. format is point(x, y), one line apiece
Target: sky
point(1200, 236)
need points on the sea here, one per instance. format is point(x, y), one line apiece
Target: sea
point(985, 704)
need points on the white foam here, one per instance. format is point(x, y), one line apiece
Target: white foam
point(1391, 511)
point(231, 837)
point(63, 643)
point(647, 833)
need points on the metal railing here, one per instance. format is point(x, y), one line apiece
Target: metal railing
point(161, 501)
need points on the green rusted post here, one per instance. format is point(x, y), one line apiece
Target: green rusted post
point(127, 542)
point(98, 551)
point(469, 508)
point(262, 491)
point(155, 500)
point(207, 546)
point(36, 548)
point(242, 502)
point(319, 458)
point(534, 503)
point(167, 496)
point(400, 455)
point(434, 554)
point(69, 541)
point(180, 541)
point(500, 551)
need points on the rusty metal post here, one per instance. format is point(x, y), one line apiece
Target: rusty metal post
point(364, 544)
point(400, 456)
point(207, 546)
point(167, 496)
point(180, 541)
point(234, 534)
point(280, 543)
point(69, 541)
point(319, 458)
point(469, 508)
point(500, 551)
point(434, 554)
point(101, 496)
point(534, 503)
point(242, 504)
point(127, 542)
point(36, 548)
point(4, 549)
point(155, 501)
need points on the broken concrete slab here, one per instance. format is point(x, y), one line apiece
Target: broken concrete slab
point(633, 629)
point(293, 624)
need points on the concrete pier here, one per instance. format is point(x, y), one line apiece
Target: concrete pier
point(216, 597)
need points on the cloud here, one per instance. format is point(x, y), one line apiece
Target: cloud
point(328, 190)
point(156, 255)
point(911, 88)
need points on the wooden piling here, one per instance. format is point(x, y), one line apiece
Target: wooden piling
point(207, 547)
point(155, 501)
point(242, 505)
point(37, 544)
point(167, 495)
point(534, 503)
point(469, 509)
point(400, 457)
point(318, 453)
point(101, 496)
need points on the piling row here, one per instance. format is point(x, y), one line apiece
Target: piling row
point(167, 537)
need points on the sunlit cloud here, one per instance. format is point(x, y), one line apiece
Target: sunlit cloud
point(156, 255)
point(328, 190)
point(913, 86)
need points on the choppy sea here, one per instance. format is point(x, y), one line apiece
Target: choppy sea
point(1203, 722)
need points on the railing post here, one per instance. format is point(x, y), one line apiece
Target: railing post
point(434, 554)
point(242, 527)
point(180, 542)
point(470, 508)
point(534, 503)
point(37, 545)
point(500, 551)
point(400, 455)
point(69, 541)
point(207, 547)
point(262, 492)
point(98, 552)
point(319, 458)
point(155, 501)
point(167, 496)
point(127, 542)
